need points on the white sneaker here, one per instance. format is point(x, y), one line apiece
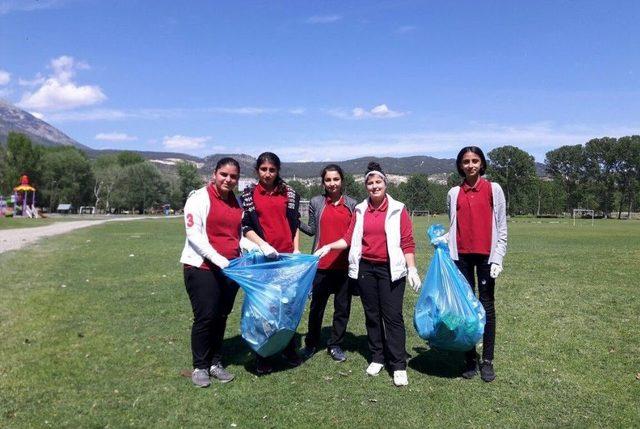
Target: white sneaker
point(374, 368)
point(400, 378)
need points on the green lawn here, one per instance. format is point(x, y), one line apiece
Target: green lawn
point(21, 222)
point(94, 328)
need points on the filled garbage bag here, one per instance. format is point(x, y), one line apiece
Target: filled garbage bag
point(448, 315)
point(276, 292)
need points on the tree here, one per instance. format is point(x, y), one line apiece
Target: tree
point(357, 191)
point(126, 158)
point(67, 176)
point(189, 177)
point(566, 165)
point(141, 185)
point(21, 157)
point(515, 170)
point(628, 177)
point(602, 157)
point(417, 192)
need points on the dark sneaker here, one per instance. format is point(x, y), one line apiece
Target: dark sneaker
point(218, 372)
point(308, 352)
point(200, 377)
point(470, 369)
point(263, 367)
point(337, 354)
point(486, 371)
point(292, 358)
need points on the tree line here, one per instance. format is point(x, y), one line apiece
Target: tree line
point(602, 175)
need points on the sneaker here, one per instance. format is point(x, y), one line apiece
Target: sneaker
point(292, 358)
point(218, 372)
point(337, 354)
point(487, 372)
point(374, 368)
point(470, 369)
point(400, 378)
point(263, 367)
point(200, 377)
point(308, 352)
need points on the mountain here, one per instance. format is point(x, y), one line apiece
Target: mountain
point(15, 119)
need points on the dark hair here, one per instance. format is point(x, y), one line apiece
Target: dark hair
point(332, 167)
point(373, 166)
point(227, 160)
point(271, 158)
point(268, 157)
point(477, 151)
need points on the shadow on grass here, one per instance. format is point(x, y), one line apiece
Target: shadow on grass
point(438, 363)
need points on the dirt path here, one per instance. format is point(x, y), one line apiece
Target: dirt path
point(12, 239)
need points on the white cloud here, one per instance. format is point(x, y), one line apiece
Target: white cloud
point(7, 6)
point(406, 29)
point(380, 111)
point(38, 80)
point(323, 19)
point(242, 110)
point(38, 115)
point(5, 77)
point(115, 137)
point(184, 142)
point(152, 114)
point(60, 92)
point(537, 139)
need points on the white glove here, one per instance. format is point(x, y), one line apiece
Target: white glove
point(444, 238)
point(322, 252)
point(495, 271)
point(268, 250)
point(219, 260)
point(414, 279)
point(247, 245)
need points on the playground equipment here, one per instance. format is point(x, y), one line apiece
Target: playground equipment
point(4, 207)
point(21, 193)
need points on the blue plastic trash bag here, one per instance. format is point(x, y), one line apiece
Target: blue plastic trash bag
point(276, 292)
point(448, 315)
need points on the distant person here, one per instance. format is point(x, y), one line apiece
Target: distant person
point(380, 258)
point(271, 220)
point(329, 219)
point(212, 218)
point(478, 243)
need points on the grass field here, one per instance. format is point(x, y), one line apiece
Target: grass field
point(20, 222)
point(94, 328)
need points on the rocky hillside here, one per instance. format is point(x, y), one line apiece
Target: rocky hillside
point(15, 119)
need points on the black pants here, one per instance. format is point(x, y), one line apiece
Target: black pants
point(382, 301)
point(486, 287)
point(212, 296)
point(325, 283)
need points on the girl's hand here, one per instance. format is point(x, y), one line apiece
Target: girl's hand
point(495, 270)
point(414, 279)
point(268, 251)
point(322, 252)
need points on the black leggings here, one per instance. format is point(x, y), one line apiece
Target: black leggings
point(325, 283)
point(467, 263)
point(212, 296)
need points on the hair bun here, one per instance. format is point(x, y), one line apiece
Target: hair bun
point(374, 166)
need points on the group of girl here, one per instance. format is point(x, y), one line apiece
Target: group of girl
point(365, 249)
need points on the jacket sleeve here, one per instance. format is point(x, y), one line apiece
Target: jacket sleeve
point(247, 219)
point(310, 228)
point(195, 229)
point(500, 213)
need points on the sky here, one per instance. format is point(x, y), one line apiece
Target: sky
point(325, 80)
